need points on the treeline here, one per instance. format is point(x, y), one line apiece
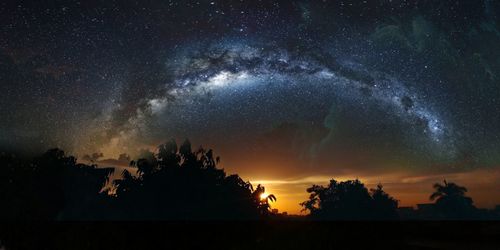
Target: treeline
point(177, 183)
point(351, 200)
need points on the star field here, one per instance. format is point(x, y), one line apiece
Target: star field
point(360, 85)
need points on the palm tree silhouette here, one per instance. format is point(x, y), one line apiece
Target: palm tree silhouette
point(447, 190)
point(451, 201)
point(263, 201)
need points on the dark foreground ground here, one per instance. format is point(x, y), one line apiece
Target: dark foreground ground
point(251, 235)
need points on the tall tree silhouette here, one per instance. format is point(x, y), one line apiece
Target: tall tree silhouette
point(179, 183)
point(451, 201)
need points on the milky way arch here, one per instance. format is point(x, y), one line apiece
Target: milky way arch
point(251, 85)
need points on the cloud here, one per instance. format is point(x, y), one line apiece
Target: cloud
point(93, 157)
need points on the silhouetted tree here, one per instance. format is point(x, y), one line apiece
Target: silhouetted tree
point(175, 183)
point(384, 206)
point(348, 200)
point(264, 205)
point(451, 201)
point(179, 183)
point(51, 186)
point(15, 185)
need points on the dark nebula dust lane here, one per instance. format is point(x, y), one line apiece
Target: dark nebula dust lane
point(281, 90)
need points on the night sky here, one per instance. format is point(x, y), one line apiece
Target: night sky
point(288, 93)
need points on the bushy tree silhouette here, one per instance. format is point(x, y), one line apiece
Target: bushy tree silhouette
point(52, 186)
point(383, 205)
point(15, 181)
point(349, 200)
point(451, 201)
point(178, 183)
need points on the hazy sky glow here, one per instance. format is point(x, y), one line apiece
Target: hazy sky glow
point(287, 94)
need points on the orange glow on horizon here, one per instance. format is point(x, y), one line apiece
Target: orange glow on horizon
point(409, 190)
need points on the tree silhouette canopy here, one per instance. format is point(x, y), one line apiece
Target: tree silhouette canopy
point(52, 186)
point(173, 184)
point(179, 183)
point(451, 201)
point(349, 200)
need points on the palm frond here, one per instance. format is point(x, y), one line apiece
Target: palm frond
point(435, 195)
point(271, 197)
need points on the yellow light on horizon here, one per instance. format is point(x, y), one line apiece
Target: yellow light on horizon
point(263, 196)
